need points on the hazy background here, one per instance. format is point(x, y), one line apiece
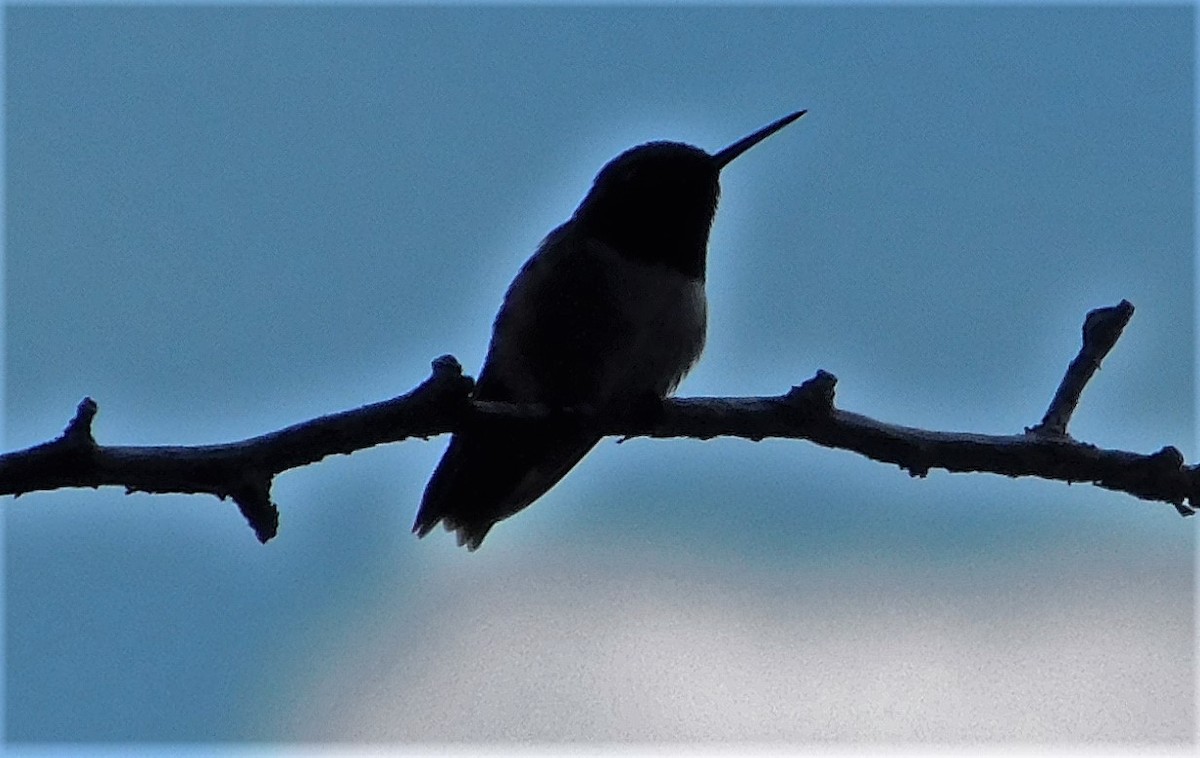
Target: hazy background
point(224, 220)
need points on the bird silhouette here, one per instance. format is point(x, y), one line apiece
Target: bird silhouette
point(609, 312)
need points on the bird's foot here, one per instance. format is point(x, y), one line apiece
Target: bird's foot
point(644, 413)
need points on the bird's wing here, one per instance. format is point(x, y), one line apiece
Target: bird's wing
point(542, 351)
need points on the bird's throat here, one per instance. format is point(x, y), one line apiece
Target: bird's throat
point(683, 248)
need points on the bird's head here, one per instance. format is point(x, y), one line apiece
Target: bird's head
point(656, 202)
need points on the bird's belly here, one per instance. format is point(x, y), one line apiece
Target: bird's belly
point(663, 315)
point(585, 325)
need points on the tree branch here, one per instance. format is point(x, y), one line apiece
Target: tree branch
point(245, 470)
point(1101, 330)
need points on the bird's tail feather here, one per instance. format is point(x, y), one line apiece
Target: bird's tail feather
point(485, 477)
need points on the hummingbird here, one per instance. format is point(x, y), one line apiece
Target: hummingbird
point(608, 313)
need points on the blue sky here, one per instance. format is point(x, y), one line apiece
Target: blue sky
point(222, 220)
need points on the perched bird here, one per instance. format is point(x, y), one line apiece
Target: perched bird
point(609, 311)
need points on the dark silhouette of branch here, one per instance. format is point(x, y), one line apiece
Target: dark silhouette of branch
point(1101, 330)
point(245, 470)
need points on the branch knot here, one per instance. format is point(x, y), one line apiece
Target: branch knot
point(79, 430)
point(816, 394)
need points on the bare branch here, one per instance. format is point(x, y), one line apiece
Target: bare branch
point(1101, 330)
point(240, 470)
point(245, 470)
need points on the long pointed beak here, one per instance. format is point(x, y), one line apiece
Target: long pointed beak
point(723, 158)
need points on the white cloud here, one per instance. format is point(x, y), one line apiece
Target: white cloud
point(623, 648)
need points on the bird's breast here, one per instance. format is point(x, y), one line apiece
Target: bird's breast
point(663, 318)
point(584, 324)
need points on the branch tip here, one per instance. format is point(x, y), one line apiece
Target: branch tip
point(446, 367)
point(79, 429)
point(253, 499)
point(448, 379)
point(1102, 328)
point(1108, 316)
point(817, 392)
